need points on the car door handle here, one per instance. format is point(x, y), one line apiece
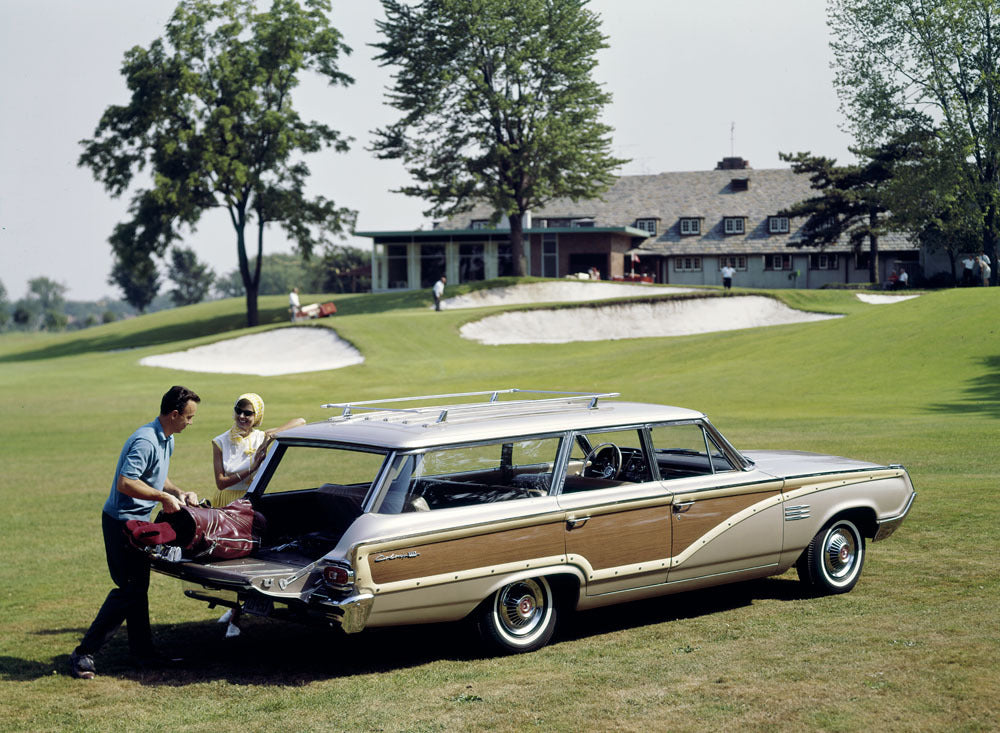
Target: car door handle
point(576, 522)
point(682, 507)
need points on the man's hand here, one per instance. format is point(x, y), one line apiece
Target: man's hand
point(170, 503)
point(190, 498)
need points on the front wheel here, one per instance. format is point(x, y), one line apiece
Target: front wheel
point(520, 617)
point(832, 562)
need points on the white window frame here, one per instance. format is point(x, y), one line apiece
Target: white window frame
point(737, 262)
point(646, 225)
point(479, 224)
point(687, 264)
point(734, 224)
point(786, 259)
point(778, 225)
point(690, 225)
point(824, 261)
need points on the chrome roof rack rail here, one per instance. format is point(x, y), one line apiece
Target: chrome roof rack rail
point(569, 398)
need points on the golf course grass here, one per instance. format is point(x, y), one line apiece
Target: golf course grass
point(914, 647)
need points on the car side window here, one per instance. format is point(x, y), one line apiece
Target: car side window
point(600, 460)
point(472, 474)
point(684, 450)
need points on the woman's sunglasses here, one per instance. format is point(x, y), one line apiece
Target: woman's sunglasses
point(244, 413)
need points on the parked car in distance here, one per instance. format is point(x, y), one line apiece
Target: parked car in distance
point(515, 507)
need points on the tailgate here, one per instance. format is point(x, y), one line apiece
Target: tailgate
point(261, 573)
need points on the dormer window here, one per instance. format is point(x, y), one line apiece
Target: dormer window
point(479, 224)
point(777, 224)
point(739, 184)
point(734, 224)
point(650, 226)
point(690, 225)
point(582, 223)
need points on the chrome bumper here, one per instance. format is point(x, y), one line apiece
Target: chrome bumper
point(351, 612)
point(890, 524)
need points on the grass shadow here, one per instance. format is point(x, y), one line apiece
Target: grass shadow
point(305, 654)
point(690, 604)
point(982, 393)
point(118, 339)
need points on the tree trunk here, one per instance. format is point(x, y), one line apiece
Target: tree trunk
point(251, 304)
point(517, 244)
point(873, 250)
point(250, 282)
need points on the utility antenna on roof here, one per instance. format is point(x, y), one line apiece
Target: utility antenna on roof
point(732, 139)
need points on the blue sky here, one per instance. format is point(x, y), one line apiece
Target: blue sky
point(692, 80)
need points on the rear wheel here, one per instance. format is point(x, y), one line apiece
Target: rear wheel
point(520, 617)
point(833, 560)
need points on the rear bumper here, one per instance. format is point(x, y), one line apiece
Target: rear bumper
point(888, 525)
point(351, 612)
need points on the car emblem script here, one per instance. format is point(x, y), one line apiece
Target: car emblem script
point(396, 556)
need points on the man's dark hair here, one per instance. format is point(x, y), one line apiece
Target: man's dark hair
point(177, 398)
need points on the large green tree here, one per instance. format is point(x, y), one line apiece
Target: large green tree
point(935, 63)
point(852, 200)
point(930, 199)
point(498, 104)
point(211, 120)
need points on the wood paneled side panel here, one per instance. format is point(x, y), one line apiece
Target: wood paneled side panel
point(465, 553)
point(703, 515)
point(622, 538)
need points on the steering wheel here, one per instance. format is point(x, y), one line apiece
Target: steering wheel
point(603, 461)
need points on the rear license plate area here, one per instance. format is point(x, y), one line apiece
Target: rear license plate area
point(258, 606)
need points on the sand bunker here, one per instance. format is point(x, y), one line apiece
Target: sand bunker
point(635, 320)
point(281, 351)
point(884, 299)
point(555, 292)
point(309, 348)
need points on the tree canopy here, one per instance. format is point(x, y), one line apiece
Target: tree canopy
point(211, 121)
point(191, 277)
point(498, 104)
point(852, 199)
point(931, 65)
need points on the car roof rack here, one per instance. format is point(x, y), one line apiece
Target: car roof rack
point(494, 404)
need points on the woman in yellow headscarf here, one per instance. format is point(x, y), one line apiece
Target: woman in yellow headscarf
point(238, 452)
point(236, 455)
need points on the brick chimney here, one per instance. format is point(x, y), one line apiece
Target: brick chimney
point(732, 164)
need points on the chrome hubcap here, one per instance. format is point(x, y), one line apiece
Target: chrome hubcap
point(520, 608)
point(840, 553)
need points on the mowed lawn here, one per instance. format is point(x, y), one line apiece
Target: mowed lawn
point(914, 646)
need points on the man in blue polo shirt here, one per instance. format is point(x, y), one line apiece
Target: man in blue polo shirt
point(140, 483)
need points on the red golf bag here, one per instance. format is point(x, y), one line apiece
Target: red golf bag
point(203, 532)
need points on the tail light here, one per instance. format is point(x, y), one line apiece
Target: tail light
point(338, 577)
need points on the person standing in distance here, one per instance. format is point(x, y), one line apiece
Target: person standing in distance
point(727, 276)
point(439, 292)
point(140, 483)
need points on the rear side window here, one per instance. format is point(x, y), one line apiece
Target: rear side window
point(301, 468)
point(686, 450)
point(473, 474)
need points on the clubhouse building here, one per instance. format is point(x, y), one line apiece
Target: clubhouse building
point(678, 228)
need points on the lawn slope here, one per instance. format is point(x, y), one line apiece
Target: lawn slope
point(913, 647)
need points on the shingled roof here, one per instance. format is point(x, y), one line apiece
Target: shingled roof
point(707, 195)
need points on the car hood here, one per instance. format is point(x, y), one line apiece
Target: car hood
point(788, 463)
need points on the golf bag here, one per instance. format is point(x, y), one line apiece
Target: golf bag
point(203, 532)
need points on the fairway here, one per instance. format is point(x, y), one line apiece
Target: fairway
point(912, 647)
